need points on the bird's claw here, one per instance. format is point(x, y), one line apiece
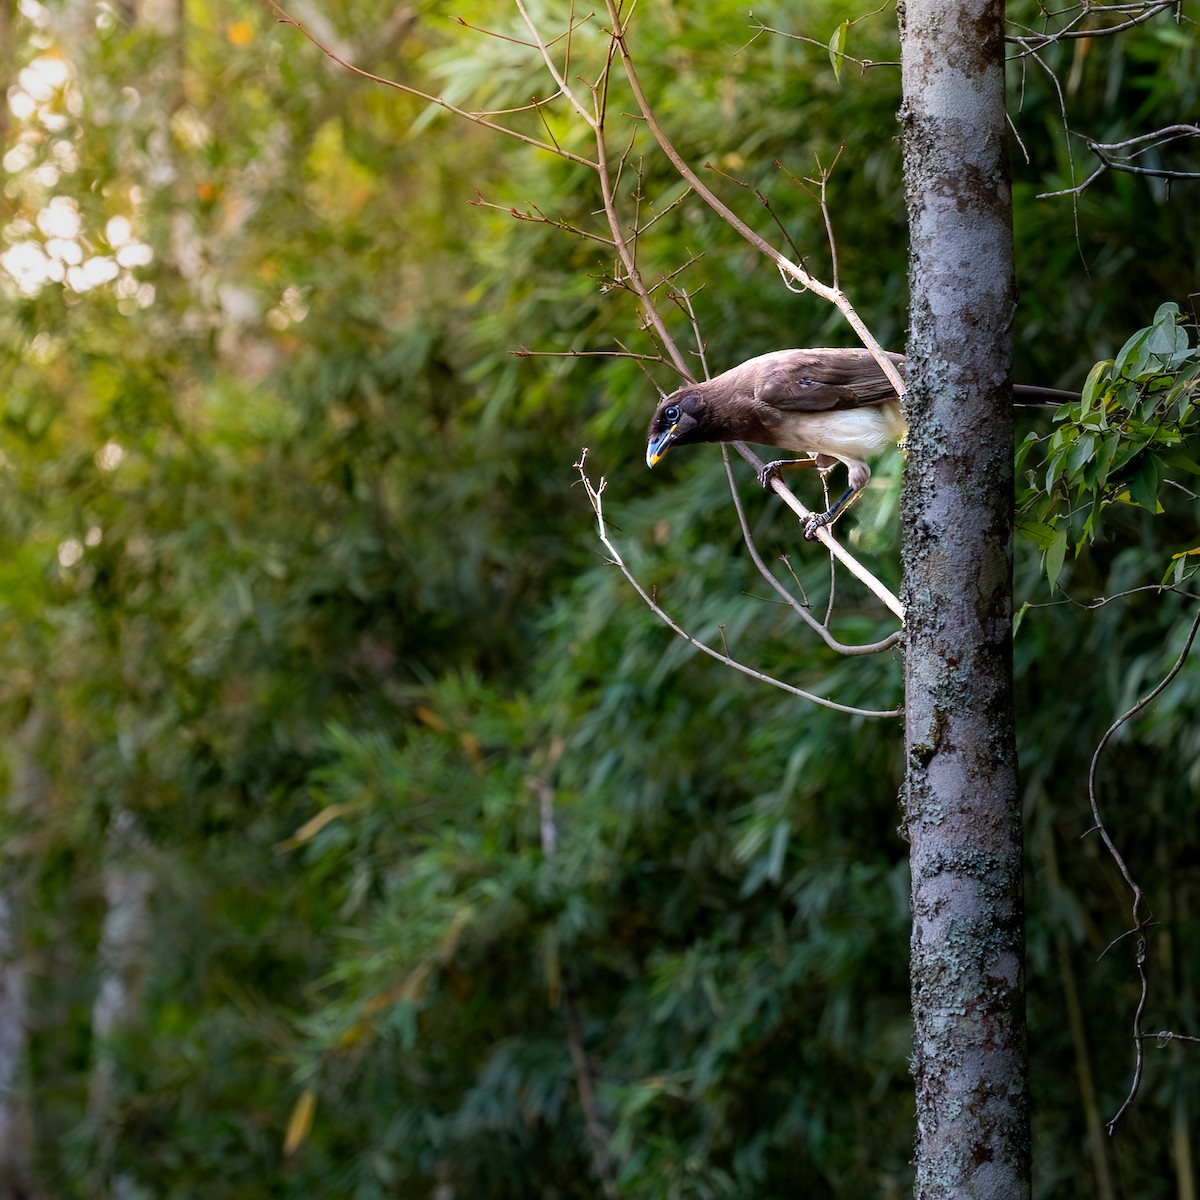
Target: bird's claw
point(771, 470)
point(814, 522)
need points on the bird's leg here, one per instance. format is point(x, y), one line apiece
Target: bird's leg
point(858, 473)
point(831, 514)
point(773, 468)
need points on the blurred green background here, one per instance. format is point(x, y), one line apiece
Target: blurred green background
point(307, 637)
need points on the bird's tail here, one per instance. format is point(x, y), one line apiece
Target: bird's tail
point(1029, 395)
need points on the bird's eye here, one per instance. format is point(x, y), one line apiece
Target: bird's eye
point(671, 412)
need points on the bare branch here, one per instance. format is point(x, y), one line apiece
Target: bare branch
point(1062, 109)
point(801, 610)
point(594, 492)
point(1166, 1035)
point(658, 216)
point(537, 217)
point(592, 119)
point(1101, 601)
point(818, 189)
point(475, 118)
point(765, 202)
point(863, 64)
point(674, 293)
point(1033, 40)
point(1112, 159)
point(787, 268)
point(1139, 1053)
point(566, 34)
point(525, 352)
point(684, 301)
point(1140, 924)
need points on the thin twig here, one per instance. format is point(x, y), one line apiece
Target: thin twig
point(537, 217)
point(1112, 159)
point(1143, 13)
point(1101, 601)
point(1139, 923)
point(594, 492)
point(475, 118)
point(684, 301)
point(787, 268)
point(765, 202)
point(591, 119)
point(801, 610)
point(862, 63)
point(525, 352)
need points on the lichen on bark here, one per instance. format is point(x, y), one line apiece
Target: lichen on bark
point(961, 802)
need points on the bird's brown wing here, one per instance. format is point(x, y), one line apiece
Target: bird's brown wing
point(822, 380)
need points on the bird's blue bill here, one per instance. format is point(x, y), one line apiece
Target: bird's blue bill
point(660, 445)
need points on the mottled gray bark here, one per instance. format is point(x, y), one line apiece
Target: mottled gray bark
point(962, 807)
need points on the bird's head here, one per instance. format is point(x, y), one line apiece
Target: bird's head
point(680, 418)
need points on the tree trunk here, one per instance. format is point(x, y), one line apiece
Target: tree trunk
point(962, 805)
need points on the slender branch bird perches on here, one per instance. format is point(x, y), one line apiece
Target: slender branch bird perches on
point(829, 404)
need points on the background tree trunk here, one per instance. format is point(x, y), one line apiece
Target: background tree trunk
point(962, 808)
point(117, 1009)
point(14, 1117)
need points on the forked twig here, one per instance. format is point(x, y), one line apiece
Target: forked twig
point(1169, 1035)
point(594, 492)
point(1142, 13)
point(1140, 923)
point(787, 268)
point(801, 610)
point(1119, 156)
point(475, 118)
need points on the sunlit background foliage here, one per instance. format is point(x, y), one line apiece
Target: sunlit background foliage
point(351, 792)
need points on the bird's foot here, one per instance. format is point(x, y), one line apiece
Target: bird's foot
point(771, 470)
point(817, 521)
point(831, 514)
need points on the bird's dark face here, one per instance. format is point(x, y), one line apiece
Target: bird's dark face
point(680, 418)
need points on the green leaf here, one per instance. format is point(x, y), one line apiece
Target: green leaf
point(1182, 566)
point(1091, 393)
point(1041, 534)
point(1055, 556)
point(1101, 464)
point(1019, 617)
point(1131, 360)
point(837, 48)
point(1167, 338)
point(1080, 453)
point(1183, 462)
point(1030, 440)
point(1143, 487)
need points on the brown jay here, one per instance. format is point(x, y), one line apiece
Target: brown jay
point(832, 405)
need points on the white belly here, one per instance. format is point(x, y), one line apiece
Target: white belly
point(849, 435)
